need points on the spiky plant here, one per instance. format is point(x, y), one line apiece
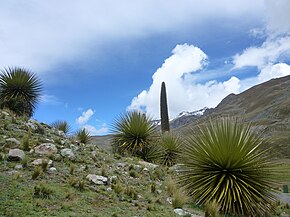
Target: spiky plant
point(225, 161)
point(61, 125)
point(83, 136)
point(171, 145)
point(134, 132)
point(19, 90)
point(164, 109)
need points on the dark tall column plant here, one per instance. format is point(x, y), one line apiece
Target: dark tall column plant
point(164, 109)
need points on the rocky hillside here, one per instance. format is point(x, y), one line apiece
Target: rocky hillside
point(45, 173)
point(266, 105)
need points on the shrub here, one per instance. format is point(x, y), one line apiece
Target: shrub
point(42, 191)
point(134, 133)
point(171, 146)
point(44, 165)
point(179, 198)
point(227, 162)
point(212, 209)
point(25, 143)
point(117, 187)
point(36, 172)
point(19, 90)
point(83, 136)
point(71, 169)
point(61, 125)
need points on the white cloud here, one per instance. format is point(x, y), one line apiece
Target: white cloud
point(85, 117)
point(94, 131)
point(274, 71)
point(183, 93)
point(49, 99)
point(42, 34)
point(278, 16)
point(269, 52)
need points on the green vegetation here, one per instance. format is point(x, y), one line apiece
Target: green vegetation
point(83, 136)
point(19, 90)
point(164, 109)
point(225, 161)
point(134, 133)
point(61, 125)
point(171, 146)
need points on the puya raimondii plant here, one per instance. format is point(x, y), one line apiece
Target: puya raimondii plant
point(224, 161)
point(20, 90)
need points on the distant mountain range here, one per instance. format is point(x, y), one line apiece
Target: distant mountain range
point(266, 105)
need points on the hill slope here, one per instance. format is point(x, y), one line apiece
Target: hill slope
point(266, 105)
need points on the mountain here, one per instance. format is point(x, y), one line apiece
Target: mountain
point(266, 105)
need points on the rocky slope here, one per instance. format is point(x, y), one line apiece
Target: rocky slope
point(266, 105)
point(45, 173)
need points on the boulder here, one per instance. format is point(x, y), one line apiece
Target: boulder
point(38, 162)
point(16, 154)
point(13, 140)
point(98, 180)
point(46, 149)
point(148, 165)
point(68, 153)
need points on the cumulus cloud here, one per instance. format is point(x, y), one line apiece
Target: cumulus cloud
point(183, 92)
point(274, 71)
point(42, 34)
point(85, 117)
point(83, 122)
point(269, 52)
point(94, 131)
point(269, 57)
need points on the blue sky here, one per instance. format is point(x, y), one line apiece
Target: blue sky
point(98, 59)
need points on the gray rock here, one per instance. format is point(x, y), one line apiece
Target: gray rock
point(68, 153)
point(16, 154)
point(182, 212)
point(13, 140)
point(52, 170)
point(98, 180)
point(38, 162)
point(138, 168)
point(148, 165)
point(74, 147)
point(18, 167)
point(46, 149)
point(121, 164)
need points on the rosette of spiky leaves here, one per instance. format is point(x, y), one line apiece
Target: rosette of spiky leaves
point(19, 90)
point(83, 136)
point(171, 145)
point(225, 161)
point(61, 125)
point(134, 132)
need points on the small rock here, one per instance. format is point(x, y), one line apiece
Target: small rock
point(38, 162)
point(159, 191)
point(138, 168)
point(16, 154)
point(52, 170)
point(18, 167)
point(146, 169)
point(46, 149)
point(74, 147)
point(99, 180)
point(13, 140)
point(148, 165)
point(66, 152)
point(182, 212)
point(169, 200)
point(121, 164)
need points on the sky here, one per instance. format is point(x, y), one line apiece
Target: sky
point(98, 59)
